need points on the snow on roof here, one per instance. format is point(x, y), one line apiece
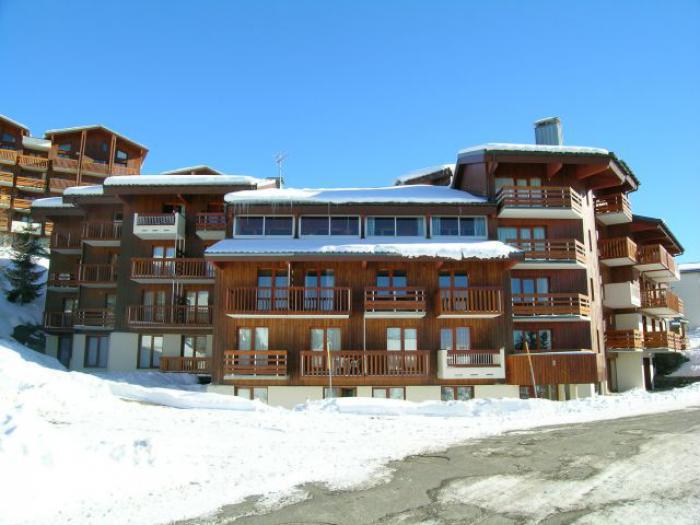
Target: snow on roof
point(535, 148)
point(183, 180)
point(689, 267)
point(36, 143)
point(402, 247)
point(59, 131)
point(13, 122)
point(424, 172)
point(84, 190)
point(418, 193)
point(191, 168)
point(51, 202)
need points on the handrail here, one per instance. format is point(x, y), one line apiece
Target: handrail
point(95, 166)
point(8, 155)
point(57, 320)
point(623, 339)
point(661, 298)
point(551, 304)
point(255, 362)
point(397, 299)
point(64, 163)
point(67, 279)
point(30, 182)
point(551, 249)
point(539, 197)
point(98, 273)
point(473, 358)
point(96, 317)
point(171, 267)
point(211, 221)
point(656, 253)
point(31, 161)
point(193, 365)
point(177, 315)
point(365, 363)
point(65, 240)
point(124, 170)
point(289, 300)
point(59, 183)
point(475, 300)
point(157, 219)
point(102, 231)
point(666, 339)
point(617, 203)
point(618, 248)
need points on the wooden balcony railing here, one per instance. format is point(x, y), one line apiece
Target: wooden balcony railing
point(657, 254)
point(95, 318)
point(618, 203)
point(31, 182)
point(366, 363)
point(5, 200)
point(295, 300)
point(62, 279)
point(171, 315)
point(95, 166)
point(551, 249)
point(48, 228)
point(8, 155)
point(20, 203)
point(98, 273)
point(65, 163)
point(60, 184)
point(171, 268)
point(156, 219)
point(618, 248)
point(551, 304)
point(255, 363)
point(59, 320)
point(211, 221)
point(538, 197)
point(102, 231)
point(670, 340)
point(7, 178)
point(469, 301)
point(624, 339)
point(662, 298)
point(191, 365)
point(65, 241)
point(473, 358)
point(31, 161)
point(118, 169)
point(379, 299)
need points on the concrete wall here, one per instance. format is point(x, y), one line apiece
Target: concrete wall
point(123, 352)
point(422, 393)
point(630, 373)
point(628, 322)
point(688, 289)
point(496, 391)
point(290, 396)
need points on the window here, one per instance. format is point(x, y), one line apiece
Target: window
point(194, 346)
point(263, 225)
point(273, 290)
point(150, 350)
point(520, 181)
point(121, 157)
point(70, 304)
point(257, 392)
point(401, 339)
point(392, 392)
point(521, 233)
point(8, 138)
point(529, 290)
point(338, 391)
point(323, 339)
point(458, 338)
point(312, 225)
point(65, 149)
point(318, 290)
point(253, 339)
point(110, 301)
point(104, 147)
point(537, 340)
point(525, 392)
point(456, 393)
point(197, 311)
point(458, 227)
point(96, 350)
point(451, 279)
point(391, 279)
point(395, 227)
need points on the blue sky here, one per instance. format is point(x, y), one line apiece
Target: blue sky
point(360, 92)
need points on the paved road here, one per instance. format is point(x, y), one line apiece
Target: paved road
point(639, 469)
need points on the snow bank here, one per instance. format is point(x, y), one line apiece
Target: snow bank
point(691, 368)
point(183, 180)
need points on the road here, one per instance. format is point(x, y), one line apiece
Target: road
point(639, 469)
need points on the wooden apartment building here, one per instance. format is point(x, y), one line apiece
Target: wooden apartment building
point(518, 270)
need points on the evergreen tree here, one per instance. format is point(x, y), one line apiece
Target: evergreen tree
point(24, 273)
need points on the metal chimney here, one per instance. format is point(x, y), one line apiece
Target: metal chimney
point(548, 131)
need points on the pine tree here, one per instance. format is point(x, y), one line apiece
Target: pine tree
point(24, 273)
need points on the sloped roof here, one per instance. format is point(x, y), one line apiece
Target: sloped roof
point(60, 131)
point(14, 122)
point(188, 169)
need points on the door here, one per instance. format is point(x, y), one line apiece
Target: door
point(273, 290)
point(154, 305)
point(530, 290)
point(318, 290)
point(197, 307)
point(161, 268)
point(453, 290)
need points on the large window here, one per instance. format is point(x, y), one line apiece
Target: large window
point(323, 339)
point(96, 351)
point(250, 392)
point(8, 139)
point(194, 346)
point(318, 290)
point(315, 225)
point(253, 339)
point(521, 233)
point(150, 351)
point(456, 393)
point(472, 227)
point(273, 290)
point(337, 391)
point(392, 392)
point(538, 340)
point(520, 181)
point(401, 339)
point(395, 227)
point(457, 338)
point(528, 290)
point(256, 226)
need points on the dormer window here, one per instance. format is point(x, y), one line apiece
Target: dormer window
point(258, 226)
point(471, 227)
point(395, 226)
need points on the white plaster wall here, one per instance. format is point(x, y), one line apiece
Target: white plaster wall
point(78, 357)
point(583, 390)
point(228, 390)
point(496, 391)
point(628, 322)
point(420, 393)
point(290, 396)
point(688, 289)
point(51, 347)
point(630, 373)
point(123, 352)
point(364, 391)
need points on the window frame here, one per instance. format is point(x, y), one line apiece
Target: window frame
point(537, 331)
point(459, 226)
point(454, 392)
point(251, 396)
point(100, 349)
point(453, 338)
point(387, 390)
point(395, 217)
point(263, 235)
point(402, 330)
point(330, 217)
point(253, 338)
point(326, 391)
point(326, 340)
point(151, 365)
point(195, 352)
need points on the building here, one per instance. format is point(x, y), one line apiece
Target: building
point(688, 289)
point(518, 270)
point(32, 168)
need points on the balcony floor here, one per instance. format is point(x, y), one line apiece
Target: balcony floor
point(508, 212)
point(543, 264)
point(550, 318)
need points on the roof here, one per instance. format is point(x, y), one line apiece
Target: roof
point(13, 122)
point(183, 180)
point(418, 193)
point(84, 190)
point(188, 169)
point(430, 172)
point(362, 248)
point(60, 131)
point(689, 267)
point(663, 226)
point(36, 143)
point(534, 148)
point(51, 202)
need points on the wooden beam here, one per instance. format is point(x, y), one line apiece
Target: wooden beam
point(588, 170)
point(553, 168)
point(112, 151)
point(81, 154)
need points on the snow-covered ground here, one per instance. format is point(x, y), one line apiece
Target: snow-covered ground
point(692, 367)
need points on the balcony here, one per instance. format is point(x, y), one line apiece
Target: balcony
point(65, 164)
point(31, 184)
point(118, 169)
point(394, 303)
point(95, 319)
point(551, 307)
point(59, 321)
point(471, 364)
point(33, 228)
point(541, 202)
point(5, 199)
point(170, 316)
point(263, 364)
point(98, 275)
point(661, 302)
point(159, 226)
point(211, 226)
point(165, 270)
point(58, 184)
point(664, 341)
point(62, 282)
point(624, 340)
point(622, 295)
point(189, 365)
point(550, 254)
point(33, 163)
point(483, 302)
point(619, 251)
point(66, 242)
point(8, 156)
point(7, 179)
point(371, 363)
point(293, 302)
point(22, 204)
point(102, 233)
point(657, 263)
point(613, 209)
point(93, 167)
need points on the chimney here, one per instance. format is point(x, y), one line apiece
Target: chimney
point(548, 131)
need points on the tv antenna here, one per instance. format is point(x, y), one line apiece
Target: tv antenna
point(279, 160)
